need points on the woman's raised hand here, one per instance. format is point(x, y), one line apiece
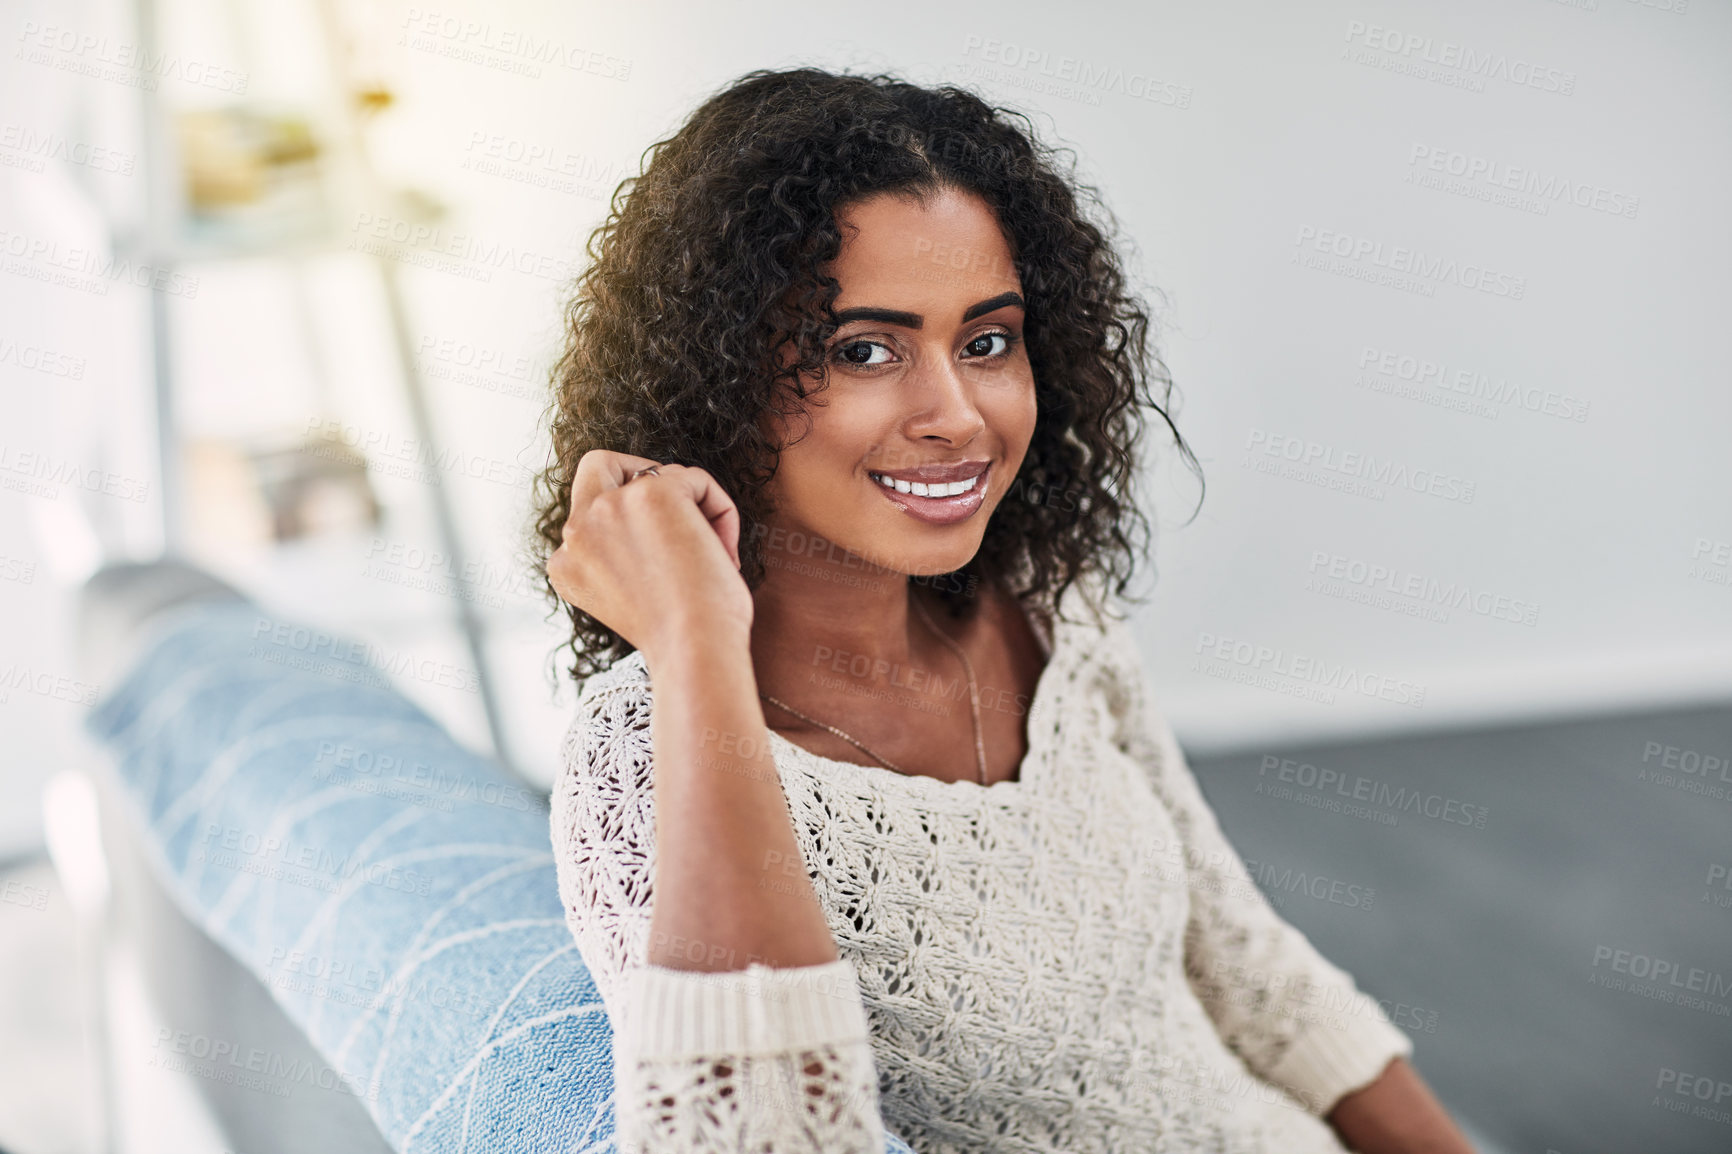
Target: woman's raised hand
point(657, 559)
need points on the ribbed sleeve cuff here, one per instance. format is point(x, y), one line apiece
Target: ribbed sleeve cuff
point(679, 1014)
point(1330, 1059)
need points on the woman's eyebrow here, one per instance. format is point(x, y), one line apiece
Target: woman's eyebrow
point(909, 320)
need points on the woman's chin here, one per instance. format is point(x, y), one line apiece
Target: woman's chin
point(920, 559)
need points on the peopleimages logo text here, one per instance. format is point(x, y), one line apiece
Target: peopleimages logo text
point(1484, 65)
point(1398, 799)
point(1306, 668)
point(1360, 466)
point(1410, 262)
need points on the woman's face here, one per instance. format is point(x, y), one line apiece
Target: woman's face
point(927, 372)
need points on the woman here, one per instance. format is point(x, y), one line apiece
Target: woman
point(844, 439)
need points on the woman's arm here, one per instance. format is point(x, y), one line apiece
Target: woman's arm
point(751, 1057)
point(731, 885)
point(737, 1025)
point(1396, 1114)
point(1296, 1019)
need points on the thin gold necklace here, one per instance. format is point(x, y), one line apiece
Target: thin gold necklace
point(973, 705)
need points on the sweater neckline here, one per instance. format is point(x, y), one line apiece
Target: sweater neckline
point(1057, 643)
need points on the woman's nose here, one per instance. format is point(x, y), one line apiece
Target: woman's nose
point(945, 404)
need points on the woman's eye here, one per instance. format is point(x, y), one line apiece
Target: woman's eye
point(974, 345)
point(872, 354)
point(860, 352)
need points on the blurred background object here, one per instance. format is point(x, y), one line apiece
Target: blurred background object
point(246, 498)
point(249, 174)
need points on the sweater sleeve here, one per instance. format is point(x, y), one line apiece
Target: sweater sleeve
point(1295, 1019)
point(760, 1059)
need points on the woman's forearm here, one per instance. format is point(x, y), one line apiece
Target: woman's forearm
point(1396, 1114)
point(730, 881)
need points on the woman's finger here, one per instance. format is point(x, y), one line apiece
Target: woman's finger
point(718, 509)
point(600, 471)
point(611, 470)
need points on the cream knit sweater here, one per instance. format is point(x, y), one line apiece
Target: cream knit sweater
point(1074, 961)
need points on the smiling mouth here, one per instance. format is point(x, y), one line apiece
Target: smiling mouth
point(942, 503)
point(935, 489)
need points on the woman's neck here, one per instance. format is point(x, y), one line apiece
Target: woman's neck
point(868, 631)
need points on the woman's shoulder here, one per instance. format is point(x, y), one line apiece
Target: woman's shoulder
point(1098, 640)
point(609, 734)
point(628, 672)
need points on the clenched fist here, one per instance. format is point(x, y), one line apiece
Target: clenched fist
point(655, 559)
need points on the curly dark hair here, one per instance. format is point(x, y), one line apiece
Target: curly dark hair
point(709, 263)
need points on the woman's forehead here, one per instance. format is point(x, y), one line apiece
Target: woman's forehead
point(901, 225)
point(935, 257)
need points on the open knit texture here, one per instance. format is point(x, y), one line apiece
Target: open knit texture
point(1076, 960)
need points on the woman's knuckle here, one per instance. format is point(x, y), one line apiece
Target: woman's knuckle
point(641, 494)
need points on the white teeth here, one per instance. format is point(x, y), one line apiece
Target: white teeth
point(921, 489)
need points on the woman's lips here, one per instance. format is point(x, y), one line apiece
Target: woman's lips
point(938, 510)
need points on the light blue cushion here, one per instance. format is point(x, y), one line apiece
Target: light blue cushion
point(394, 891)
